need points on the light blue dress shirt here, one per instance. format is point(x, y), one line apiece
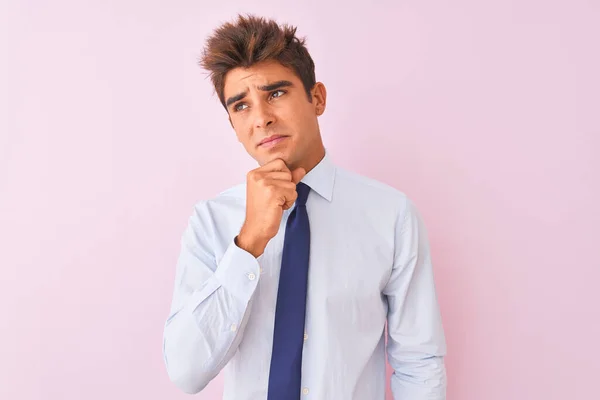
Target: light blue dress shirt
point(369, 263)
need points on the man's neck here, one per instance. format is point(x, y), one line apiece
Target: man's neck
point(313, 159)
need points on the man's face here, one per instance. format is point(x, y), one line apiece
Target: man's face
point(268, 101)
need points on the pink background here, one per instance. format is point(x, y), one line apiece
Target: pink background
point(485, 113)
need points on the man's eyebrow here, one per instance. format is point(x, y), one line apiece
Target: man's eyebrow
point(265, 88)
point(276, 85)
point(235, 98)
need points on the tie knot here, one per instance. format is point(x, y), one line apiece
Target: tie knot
point(303, 189)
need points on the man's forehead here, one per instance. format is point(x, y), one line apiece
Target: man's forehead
point(241, 79)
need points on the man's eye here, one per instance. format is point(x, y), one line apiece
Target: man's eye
point(278, 93)
point(238, 107)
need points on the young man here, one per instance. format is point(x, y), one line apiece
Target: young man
point(287, 280)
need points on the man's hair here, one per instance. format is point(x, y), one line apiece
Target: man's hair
point(251, 40)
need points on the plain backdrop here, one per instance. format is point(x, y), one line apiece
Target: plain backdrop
point(485, 113)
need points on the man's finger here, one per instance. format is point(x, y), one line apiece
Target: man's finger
point(276, 165)
point(290, 199)
point(298, 174)
point(279, 175)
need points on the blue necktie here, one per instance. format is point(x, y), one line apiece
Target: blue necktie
point(288, 334)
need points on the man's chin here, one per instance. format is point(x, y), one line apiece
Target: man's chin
point(277, 155)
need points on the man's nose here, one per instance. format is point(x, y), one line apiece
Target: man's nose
point(262, 116)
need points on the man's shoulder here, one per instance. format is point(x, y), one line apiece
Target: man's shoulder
point(378, 197)
point(367, 186)
point(234, 192)
point(233, 196)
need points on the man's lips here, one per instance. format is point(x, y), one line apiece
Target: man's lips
point(271, 140)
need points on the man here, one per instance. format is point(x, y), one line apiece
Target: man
point(286, 281)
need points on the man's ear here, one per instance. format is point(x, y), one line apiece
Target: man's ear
point(319, 96)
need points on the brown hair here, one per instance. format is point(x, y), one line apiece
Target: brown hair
point(251, 40)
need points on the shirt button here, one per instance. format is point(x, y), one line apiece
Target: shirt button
point(251, 276)
point(233, 327)
point(305, 391)
point(305, 336)
point(261, 270)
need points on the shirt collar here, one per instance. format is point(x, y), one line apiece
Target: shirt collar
point(321, 178)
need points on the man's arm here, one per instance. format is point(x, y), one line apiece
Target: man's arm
point(416, 344)
point(210, 306)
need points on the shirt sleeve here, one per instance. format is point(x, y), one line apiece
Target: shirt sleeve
point(210, 306)
point(416, 344)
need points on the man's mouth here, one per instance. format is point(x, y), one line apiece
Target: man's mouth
point(271, 141)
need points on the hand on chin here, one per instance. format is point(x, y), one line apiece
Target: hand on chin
point(275, 155)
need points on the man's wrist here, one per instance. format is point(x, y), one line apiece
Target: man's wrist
point(252, 245)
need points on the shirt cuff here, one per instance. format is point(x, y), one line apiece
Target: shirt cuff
point(238, 272)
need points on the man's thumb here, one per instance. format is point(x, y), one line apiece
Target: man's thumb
point(298, 174)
